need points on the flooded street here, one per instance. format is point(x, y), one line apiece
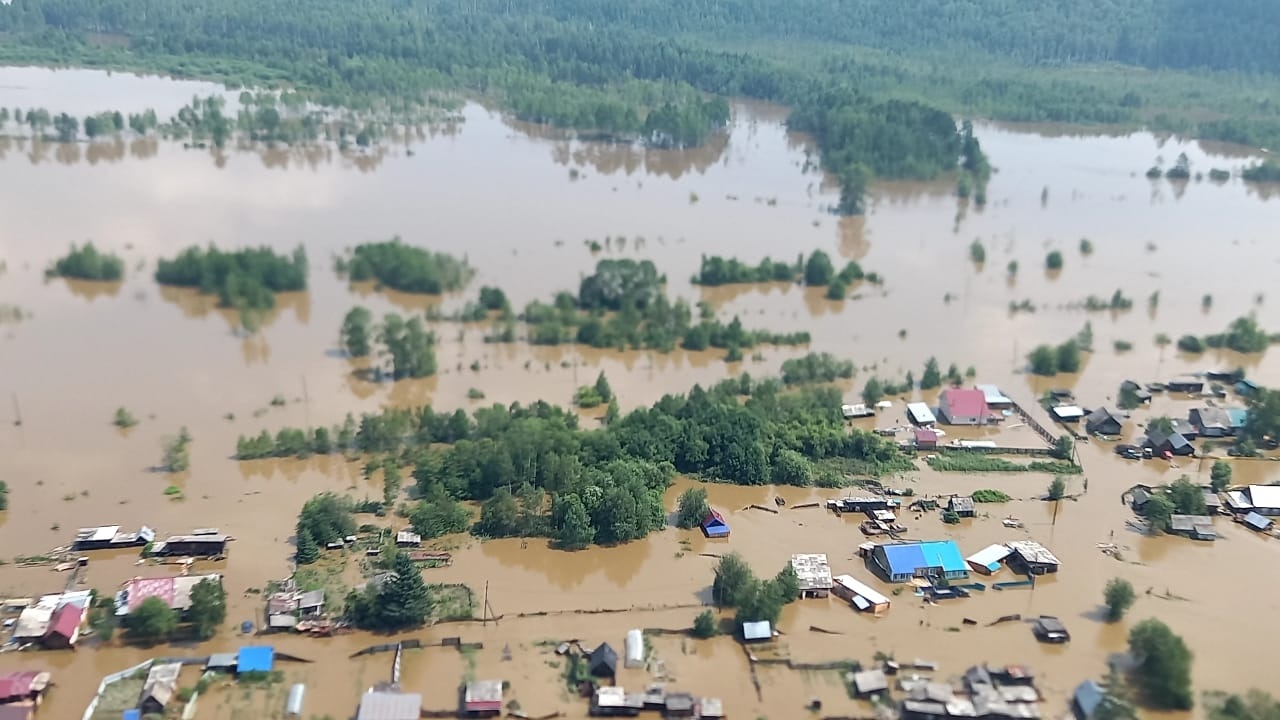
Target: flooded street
point(521, 203)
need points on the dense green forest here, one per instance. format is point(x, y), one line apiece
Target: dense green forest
point(604, 486)
point(245, 279)
point(873, 79)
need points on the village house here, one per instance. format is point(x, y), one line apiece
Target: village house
point(814, 574)
point(1173, 443)
point(714, 525)
point(603, 661)
point(962, 506)
point(1196, 527)
point(614, 701)
point(1264, 499)
point(1189, 386)
point(860, 595)
point(201, 546)
point(109, 536)
point(1104, 421)
point(24, 686)
point(900, 562)
point(1032, 558)
point(1254, 521)
point(1212, 422)
point(288, 605)
point(869, 683)
point(1086, 699)
point(175, 591)
point(863, 504)
point(33, 623)
point(160, 687)
point(408, 538)
point(758, 631)
point(64, 627)
point(960, 406)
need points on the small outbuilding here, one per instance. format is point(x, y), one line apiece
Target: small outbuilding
point(870, 682)
point(389, 705)
point(987, 560)
point(678, 705)
point(859, 594)
point(714, 525)
point(482, 698)
point(255, 658)
point(64, 627)
point(1067, 414)
point(634, 649)
point(1196, 527)
point(293, 704)
point(1185, 386)
point(757, 631)
point(603, 661)
point(1086, 699)
point(925, 438)
point(1254, 521)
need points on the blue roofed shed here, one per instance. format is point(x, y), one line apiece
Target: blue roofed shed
point(902, 561)
point(132, 714)
point(714, 526)
point(1254, 521)
point(1086, 699)
point(1238, 417)
point(255, 658)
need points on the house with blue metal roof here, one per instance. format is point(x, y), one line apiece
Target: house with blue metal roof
point(900, 562)
point(255, 658)
point(714, 526)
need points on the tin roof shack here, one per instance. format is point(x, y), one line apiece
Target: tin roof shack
point(1104, 421)
point(710, 708)
point(757, 631)
point(1086, 699)
point(1032, 558)
point(1264, 499)
point(900, 562)
point(1196, 527)
point(995, 399)
point(925, 438)
point(109, 537)
point(203, 546)
point(870, 683)
point(160, 687)
point(1171, 443)
point(987, 560)
point(1185, 386)
point(408, 538)
point(860, 595)
point(814, 574)
point(613, 701)
point(23, 686)
point(286, 606)
point(920, 414)
point(389, 705)
point(1254, 521)
point(1211, 422)
point(482, 698)
point(962, 506)
point(175, 591)
point(255, 659)
point(1050, 629)
point(960, 406)
point(64, 628)
point(1067, 413)
point(863, 503)
point(678, 705)
point(714, 525)
point(603, 661)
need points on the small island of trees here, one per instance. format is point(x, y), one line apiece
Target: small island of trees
point(406, 268)
point(87, 263)
point(245, 279)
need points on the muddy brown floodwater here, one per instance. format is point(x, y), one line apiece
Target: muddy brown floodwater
point(519, 202)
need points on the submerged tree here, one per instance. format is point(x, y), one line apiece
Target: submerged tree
point(1163, 672)
point(208, 608)
point(1118, 596)
point(693, 508)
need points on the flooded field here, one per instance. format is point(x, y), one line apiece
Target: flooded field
point(520, 203)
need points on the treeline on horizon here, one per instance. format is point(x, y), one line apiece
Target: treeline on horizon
point(741, 431)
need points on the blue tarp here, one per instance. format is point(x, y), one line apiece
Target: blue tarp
point(132, 714)
point(255, 658)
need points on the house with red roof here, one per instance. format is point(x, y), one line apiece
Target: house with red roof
point(64, 628)
point(26, 685)
point(714, 525)
point(963, 406)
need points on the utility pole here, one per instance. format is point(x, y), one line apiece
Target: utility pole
point(484, 617)
point(17, 411)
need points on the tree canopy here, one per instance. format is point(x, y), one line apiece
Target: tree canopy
point(245, 279)
point(208, 608)
point(87, 263)
point(1163, 673)
point(152, 620)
